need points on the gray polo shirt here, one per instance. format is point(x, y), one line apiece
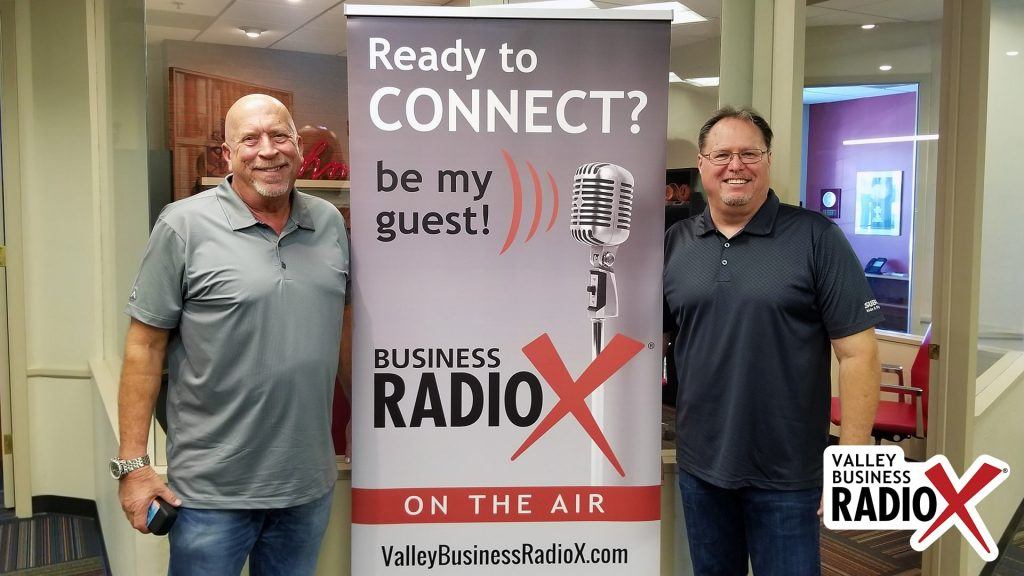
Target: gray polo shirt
point(753, 318)
point(255, 322)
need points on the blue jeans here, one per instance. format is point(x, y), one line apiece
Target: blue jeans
point(281, 541)
point(779, 529)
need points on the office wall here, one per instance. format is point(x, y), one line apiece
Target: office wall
point(999, 428)
point(688, 108)
point(59, 240)
point(830, 164)
point(121, 58)
point(998, 431)
point(1002, 260)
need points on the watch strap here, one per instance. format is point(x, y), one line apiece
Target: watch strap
point(126, 467)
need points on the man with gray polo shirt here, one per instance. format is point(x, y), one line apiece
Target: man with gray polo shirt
point(757, 296)
point(242, 288)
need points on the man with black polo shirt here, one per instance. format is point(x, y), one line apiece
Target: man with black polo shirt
point(757, 295)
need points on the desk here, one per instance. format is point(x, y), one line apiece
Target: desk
point(893, 295)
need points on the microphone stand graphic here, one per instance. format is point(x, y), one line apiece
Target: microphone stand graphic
point(602, 210)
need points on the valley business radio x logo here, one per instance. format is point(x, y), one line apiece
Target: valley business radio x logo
point(873, 487)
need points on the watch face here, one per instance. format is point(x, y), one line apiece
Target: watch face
point(115, 469)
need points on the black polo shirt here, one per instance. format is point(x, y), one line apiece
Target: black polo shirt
point(753, 317)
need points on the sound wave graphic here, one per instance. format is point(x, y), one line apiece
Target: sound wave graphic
point(538, 201)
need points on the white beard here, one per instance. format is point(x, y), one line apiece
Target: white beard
point(268, 193)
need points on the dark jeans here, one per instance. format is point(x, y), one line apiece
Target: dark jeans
point(778, 529)
point(278, 542)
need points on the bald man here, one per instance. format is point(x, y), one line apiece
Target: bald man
point(242, 290)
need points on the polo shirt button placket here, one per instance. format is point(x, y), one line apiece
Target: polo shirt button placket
point(277, 248)
point(723, 271)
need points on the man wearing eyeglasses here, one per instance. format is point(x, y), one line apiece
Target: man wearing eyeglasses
point(757, 296)
point(242, 288)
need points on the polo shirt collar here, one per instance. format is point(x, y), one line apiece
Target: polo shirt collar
point(240, 217)
point(760, 225)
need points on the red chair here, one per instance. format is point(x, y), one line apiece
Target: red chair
point(907, 416)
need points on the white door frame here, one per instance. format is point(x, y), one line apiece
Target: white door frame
point(15, 125)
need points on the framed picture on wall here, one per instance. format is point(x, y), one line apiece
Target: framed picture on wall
point(831, 201)
point(879, 197)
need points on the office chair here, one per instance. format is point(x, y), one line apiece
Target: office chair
point(897, 420)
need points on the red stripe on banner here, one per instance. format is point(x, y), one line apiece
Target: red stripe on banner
point(538, 202)
point(554, 193)
point(517, 201)
point(506, 504)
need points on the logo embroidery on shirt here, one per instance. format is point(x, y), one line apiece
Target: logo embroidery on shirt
point(871, 306)
point(132, 296)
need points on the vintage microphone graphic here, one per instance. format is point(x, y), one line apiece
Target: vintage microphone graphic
point(602, 209)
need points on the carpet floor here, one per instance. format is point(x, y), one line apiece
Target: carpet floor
point(62, 543)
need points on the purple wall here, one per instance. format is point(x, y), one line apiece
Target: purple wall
point(832, 165)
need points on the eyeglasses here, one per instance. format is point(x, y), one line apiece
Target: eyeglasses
point(723, 157)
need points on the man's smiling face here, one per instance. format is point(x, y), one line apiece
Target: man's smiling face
point(263, 147)
point(735, 184)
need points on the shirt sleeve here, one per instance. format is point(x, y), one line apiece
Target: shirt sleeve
point(843, 294)
point(157, 295)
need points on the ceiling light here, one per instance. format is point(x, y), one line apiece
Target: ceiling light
point(680, 13)
point(868, 26)
point(887, 139)
point(885, 67)
point(673, 77)
point(702, 82)
point(1012, 53)
point(251, 31)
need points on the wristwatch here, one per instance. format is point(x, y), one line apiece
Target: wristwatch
point(120, 468)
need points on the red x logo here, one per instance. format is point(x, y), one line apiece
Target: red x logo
point(957, 501)
point(572, 394)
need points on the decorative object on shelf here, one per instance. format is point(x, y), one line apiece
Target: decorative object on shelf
point(879, 198)
point(322, 159)
point(831, 202)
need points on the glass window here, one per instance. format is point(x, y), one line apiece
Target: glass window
point(870, 141)
point(1000, 316)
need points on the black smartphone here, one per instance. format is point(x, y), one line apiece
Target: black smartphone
point(161, 517)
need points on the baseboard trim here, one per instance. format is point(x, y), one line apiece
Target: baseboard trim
point(65, 505)
point(1004, 542)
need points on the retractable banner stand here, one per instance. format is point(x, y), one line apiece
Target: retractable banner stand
point(508, 171)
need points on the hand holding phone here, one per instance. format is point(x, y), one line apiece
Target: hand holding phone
point(161, 517)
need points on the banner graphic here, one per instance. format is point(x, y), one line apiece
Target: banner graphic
point(507, 218)
point(874, 488)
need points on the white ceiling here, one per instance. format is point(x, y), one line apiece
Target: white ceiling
point(822, 94)
point(318, 26)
